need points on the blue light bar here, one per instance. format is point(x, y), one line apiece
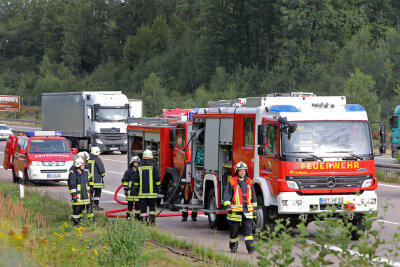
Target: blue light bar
point(30, 134)
point(58, 133)
point(284, 108)
point(354, 107)
point(189, 116)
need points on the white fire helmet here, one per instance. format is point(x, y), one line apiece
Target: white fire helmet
point(84, 155)
point(79, 162)
point(241, 166)
point(134, 159)
point(147, 154)
point(95, 151)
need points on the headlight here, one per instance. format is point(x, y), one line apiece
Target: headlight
point(35, 163)
point(292, 185)
point(98, 141)
point(69, 162)
point(291, 202)
point(366, 183)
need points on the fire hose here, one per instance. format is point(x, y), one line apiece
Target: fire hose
point(110, 213)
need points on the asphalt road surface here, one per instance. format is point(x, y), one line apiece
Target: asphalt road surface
point(199, 232)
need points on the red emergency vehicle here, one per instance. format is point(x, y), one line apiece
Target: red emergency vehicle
point(167, 138)
point(38, 156)
point(304, 153)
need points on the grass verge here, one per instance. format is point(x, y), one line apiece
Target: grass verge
point(392, 177)
point(37, 231)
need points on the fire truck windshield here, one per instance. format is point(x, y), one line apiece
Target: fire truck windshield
point(328, 139)
point(111, 114)
point(48, 146)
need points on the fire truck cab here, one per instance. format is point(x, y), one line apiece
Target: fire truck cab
point(38, 156)
point(304, 153)
point(168, 139)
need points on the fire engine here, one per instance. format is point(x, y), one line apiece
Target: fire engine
point(38, 156)
point(167, 138)
point(305, 154)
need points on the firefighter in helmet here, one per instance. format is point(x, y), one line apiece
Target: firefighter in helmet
point(79, 188)
point(148, 180)
point(240, 201)
point(131, 188)
point(96, 176)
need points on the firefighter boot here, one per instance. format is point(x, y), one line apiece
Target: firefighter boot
point(233, 246)
point(97, 207)
point(194, 215)
point(250, 249)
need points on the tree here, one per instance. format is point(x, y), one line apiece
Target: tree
point(153, 95)
point(359, 88)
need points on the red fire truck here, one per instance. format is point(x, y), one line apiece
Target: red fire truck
point(167, 138)
point(305, 154)
point(38, 156)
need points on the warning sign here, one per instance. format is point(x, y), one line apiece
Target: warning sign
point(9, 103)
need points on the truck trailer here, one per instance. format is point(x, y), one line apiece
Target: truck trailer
point(90, 118)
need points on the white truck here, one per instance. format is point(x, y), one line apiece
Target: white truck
point(90, 118)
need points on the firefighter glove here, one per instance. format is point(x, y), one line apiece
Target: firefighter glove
point(74, 198)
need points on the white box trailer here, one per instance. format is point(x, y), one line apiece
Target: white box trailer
point(89, 118)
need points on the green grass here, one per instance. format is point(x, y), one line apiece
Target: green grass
point(393, 177)
point(38, 230)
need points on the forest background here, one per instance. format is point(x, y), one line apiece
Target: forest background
point(183, 53)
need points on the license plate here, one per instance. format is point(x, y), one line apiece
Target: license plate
point(338, 200)
point(53, 175)
point(113, 148)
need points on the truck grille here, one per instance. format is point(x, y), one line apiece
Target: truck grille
point(328, 182)
point(110, 130)
point(53, 171)
point(113, 137)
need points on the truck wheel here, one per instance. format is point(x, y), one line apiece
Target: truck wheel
point(265, 217)
point(216, 221)
point(27, 181)
point(14, 177)
point(359, 224)
point(170, 190)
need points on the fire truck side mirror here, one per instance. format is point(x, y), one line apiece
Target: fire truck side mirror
point(172, 134)
point(262, 135)
point(22, 151)
point(171, 145)
point(382, 138)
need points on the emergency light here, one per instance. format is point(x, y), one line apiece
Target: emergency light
point(354, 107)
point(43, 133)
point(283, 108)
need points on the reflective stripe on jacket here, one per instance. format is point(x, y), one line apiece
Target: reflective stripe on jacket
point(78, 185)
point(148, 179)
point(96, 172)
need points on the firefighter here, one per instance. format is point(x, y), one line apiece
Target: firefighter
point(130, 188)
point(185, 210)
point(240, 201)
point(79, 188)
point(96, 176)
point(148, 180)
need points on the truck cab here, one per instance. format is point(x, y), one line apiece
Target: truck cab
point(395, 127)
point(38, 156)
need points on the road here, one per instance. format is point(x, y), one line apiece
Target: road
point(199, 232)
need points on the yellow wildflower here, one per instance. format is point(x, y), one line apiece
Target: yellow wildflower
point(53, 243)
point(81, 253)
point(20, 236)
point(86, 241)
point(105, 248)
point(66, 234)
point(91, 258)
point(80, 236)
point(73, 249)
point(65, 225)
point(86, 247)
point(95, 252)
point(55, 234)
point(91, 261)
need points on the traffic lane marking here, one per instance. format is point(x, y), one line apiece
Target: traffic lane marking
point(121, 161)
point(389, 185)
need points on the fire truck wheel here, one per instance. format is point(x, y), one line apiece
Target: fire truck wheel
point(14, 177)
point(359, 224)
point(216, 221)
point(265, 224)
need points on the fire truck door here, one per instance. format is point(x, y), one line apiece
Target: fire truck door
point(20, 159)
point(243, 145)
point(179, 150)
point(269, 163)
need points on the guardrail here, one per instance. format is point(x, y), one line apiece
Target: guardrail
point(25, 121)
point(387, 168)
